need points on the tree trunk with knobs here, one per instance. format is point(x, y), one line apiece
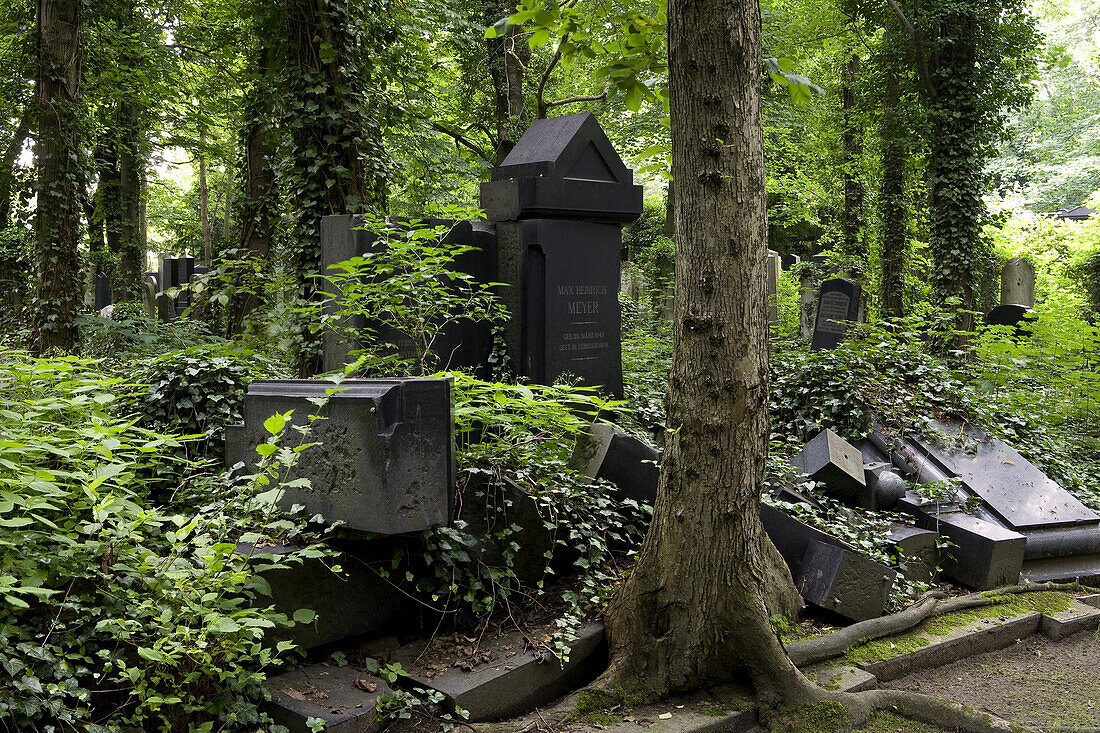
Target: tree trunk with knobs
point(697, 607)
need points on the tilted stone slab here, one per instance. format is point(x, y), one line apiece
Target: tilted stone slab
point(632, 466)
point(844, 582)
point(985, 556)
point(836, 463)
point(385, 459)
point(341, 697)
point(515, 681)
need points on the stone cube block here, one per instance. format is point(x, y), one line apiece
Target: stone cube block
point(834, 462)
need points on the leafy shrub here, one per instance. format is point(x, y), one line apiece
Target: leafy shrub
point(114, 612)
point(198, 391)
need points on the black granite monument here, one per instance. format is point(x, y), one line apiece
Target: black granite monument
point(559, 201)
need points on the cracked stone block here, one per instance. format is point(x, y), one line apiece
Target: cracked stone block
point(836, 463)
point(844, 582)
point(384, 459)
point(342, 698)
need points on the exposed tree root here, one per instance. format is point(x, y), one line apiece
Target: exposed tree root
point(937, 711)
point(811, 651)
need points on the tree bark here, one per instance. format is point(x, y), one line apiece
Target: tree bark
point(57, 219)
point(507, 67)
point(131, 244)
point(895, 255)
point(204, 206)
point(852, 224)
point(257, 205)
point(696, 608)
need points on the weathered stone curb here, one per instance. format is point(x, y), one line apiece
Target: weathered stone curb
point(1079, 617)
point(984, 635)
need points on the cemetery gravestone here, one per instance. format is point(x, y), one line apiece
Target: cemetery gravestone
point(841, 581)
point(837, 306)
point(835, 462)
point(385, 459)
point(1018, 282)
point(462, 345)
point(149, 295)
point(559, 201)
point(102, 291)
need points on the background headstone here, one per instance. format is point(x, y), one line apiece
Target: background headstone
point(773, 287)
point(837, 306)
point(102, 291)
point(1018, 282)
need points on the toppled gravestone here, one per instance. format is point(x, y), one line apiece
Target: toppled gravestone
point(844, 582)
point(504, 678)
point(834, 462)
point(917, 551)
point(629, 464)
point(353, 603)
point(385, 459)
point(342, 698)
point(506, 520)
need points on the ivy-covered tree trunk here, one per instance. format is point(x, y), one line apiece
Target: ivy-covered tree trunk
point(956, 164)
point(57, 218)
point(894, 256)
point(257, 206)
point(696, 608)
point(336, 162)
point(853, 242)
point(508, 57)
point(131, 241)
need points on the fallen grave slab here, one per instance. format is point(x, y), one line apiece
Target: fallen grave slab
point(844, 582)
point(629, 464)
point(342, 697)
point(986, 555)
point(513, 680)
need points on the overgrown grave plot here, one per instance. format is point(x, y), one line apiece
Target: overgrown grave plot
point(480, 594)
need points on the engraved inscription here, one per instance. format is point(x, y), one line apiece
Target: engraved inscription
point(584, 335)
point(832, 313)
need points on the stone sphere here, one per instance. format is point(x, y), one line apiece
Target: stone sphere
point(888, 489)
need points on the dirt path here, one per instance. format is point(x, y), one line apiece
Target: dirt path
point(1036, 682)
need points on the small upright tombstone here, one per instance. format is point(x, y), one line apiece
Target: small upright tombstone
point(102, 291)
point(773, 287)
point(837, 306)
point(559, 201)
point(1018, 282)
point(149, 295)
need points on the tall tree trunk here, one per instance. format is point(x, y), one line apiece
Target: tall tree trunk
point(696, 608)
point(853, 242)
point(257, 205)
point(57, 219)
point(228, 205)
point(106, 193)
point(7, 164)
point(894, 256)
point(508, 58)
point(956, 167)
point(131, 246)
point(204, 206)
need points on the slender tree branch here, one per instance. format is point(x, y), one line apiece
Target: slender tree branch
point(918, 43)
point(574, 100)
point(540, 104)
point(458, 137)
